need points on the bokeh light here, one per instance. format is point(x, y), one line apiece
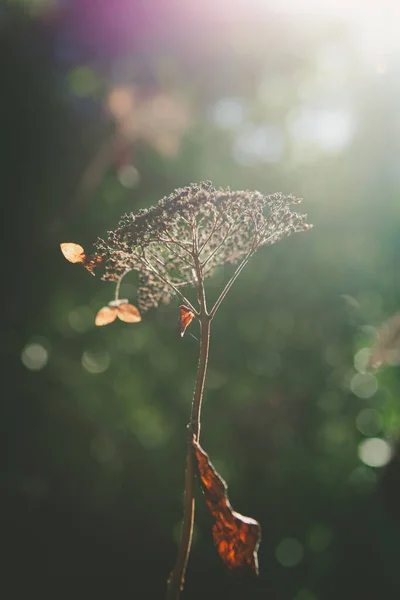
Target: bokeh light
point(375, 452)
point(289, 552)
point(34, 356)
point(96, 361)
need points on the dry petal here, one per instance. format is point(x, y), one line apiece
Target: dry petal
point(76, 254)
point(185, 318)
point(128, 313)
point(73, 252)
point(106, 315)
point(236, 537)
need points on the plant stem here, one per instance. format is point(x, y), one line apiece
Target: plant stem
point(177, 578)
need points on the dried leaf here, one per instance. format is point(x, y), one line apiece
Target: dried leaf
point(128, 313)
point(91, 262)
point(387, 343)
point(118, 308)
point(237, 537)
point(74, 253)
point(106, 315)
point(185, 318)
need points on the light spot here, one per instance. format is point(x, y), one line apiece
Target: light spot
point(364, 385)
point(228, 113)
point(375, 452)
point(95, 361)
point(259, 144)
point(369, 421)
point(361, 360)
point(330, 129)
point(289, 552)
point(128, 176)
point(34, 357)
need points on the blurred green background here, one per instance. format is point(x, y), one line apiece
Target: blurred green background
point(107, 107)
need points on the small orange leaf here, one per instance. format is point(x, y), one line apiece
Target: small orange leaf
point(76, 254)
point(128, 313)
point(118, 308)
point(73, 252)
point(185, 318)
point(106, 315)
point(236, 537)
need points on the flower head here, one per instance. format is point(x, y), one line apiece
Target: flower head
point(196, 226)
point(187, 235)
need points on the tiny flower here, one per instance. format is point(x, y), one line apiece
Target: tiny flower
point(118, 308)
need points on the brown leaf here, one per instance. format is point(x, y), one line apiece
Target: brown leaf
point(91, 262)
point(237, 537)
point(118, 308)
point(185, 318)
point(106, 315)
point(74, 253)
point(128, 313)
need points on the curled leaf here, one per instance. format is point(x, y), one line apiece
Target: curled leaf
point(236, 537)
point(186, 316)
point(74, 253)
point(118, 308)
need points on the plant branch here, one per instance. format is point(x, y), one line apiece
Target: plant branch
point(176, 253)
point(177, 577)
point(174, 241)
point(222, 242)
point(119, 284)
point(166, 281)
point(230, 283)
point(213, 230)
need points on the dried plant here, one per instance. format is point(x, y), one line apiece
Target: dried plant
point(175, 245)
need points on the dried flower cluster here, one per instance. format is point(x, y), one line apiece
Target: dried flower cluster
point(195, 227)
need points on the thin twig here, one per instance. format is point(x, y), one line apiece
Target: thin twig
point(230, 283)
point(244, 262)
point(174, 241)
point(171, 285)
point(119, 284)
point(222, 242)
point(213, 230)
point(176, 254)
